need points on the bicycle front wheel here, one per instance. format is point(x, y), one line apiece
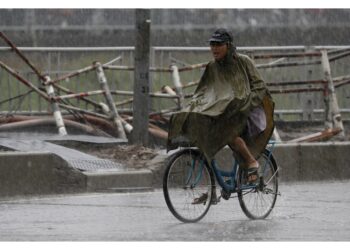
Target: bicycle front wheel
point(188, 178)
point(258, 201)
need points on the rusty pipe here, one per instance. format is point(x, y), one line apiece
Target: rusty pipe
point(47, 121)
point(24, 81)
point(20, 54)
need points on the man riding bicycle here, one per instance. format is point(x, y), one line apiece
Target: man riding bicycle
point(230, 106)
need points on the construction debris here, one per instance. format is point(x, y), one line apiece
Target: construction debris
point(319, 136)
point(106, 119)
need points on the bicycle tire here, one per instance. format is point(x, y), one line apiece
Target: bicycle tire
point(257, 203)
point(185, 179)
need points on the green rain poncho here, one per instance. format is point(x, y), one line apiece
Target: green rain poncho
point(220, 107)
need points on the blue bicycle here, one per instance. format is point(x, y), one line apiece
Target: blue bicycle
point(189, 176)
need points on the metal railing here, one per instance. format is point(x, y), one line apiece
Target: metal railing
point(187, 72)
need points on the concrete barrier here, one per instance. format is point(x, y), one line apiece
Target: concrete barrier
point(33, 173)
point(307, 161)
point(44, 173)
point(314, 161)
point(119, 181)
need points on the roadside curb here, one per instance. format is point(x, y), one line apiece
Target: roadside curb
point(44, 173)
point(37, 173)
point(119, 181)
point(41, 173)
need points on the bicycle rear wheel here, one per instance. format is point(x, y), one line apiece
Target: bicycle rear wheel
point(257, 201)
point(187, 177)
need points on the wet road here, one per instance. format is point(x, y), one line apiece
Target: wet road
point(312, 211)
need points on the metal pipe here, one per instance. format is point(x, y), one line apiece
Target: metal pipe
point(26, 82)
point(338, 51)
point(104, 85)
point(131, 68)
point(156, 94)
point(19, 53)
point(327, 133)
point(191, 67)
point(72, 108)
point(190, 84)
point(295, 83)
point(257, 48)
point(69, 49)
point(168, 48)
point(333, 58)
point(333, 116)
point(168, 90)
point(38, 73)
point(75, 73)
point(46, 121)
point(119, 67)
point(177, 84)
point(79, 95)
point(286, 91)
point(342, 83)
point(341, 78)
point(112, 61)
point(55, 108)
point(130, 100)
point(289, 55)
point(95, 104)
point(288, 64)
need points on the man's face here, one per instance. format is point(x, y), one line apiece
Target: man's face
point(219, 50)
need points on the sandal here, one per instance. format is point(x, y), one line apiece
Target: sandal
point(203, 199)
point(252, 175)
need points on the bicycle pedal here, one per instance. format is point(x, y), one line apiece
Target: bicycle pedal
point(225, 195)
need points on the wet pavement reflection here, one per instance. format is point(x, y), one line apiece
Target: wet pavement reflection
point(312, 211)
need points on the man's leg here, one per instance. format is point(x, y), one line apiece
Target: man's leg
point(240, 146)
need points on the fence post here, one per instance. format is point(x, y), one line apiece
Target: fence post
point(55, 108)
point(276, 135)
point(141, 77)
point(177, 84)
point(308, 98)
point(107, 93)
point(332, 116)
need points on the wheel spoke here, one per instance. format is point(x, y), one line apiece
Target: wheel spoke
point(187, 177)
point(256, 203)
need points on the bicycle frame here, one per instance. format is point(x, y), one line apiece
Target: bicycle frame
point(230, 184)
point(189, 185)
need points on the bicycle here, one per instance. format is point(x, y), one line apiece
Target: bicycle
point(188, 176)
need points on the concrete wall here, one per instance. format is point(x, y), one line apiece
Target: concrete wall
point(314, 161)
point(307, 161)
point(33, 173)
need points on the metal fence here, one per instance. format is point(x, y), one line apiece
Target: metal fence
point(294, 74)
